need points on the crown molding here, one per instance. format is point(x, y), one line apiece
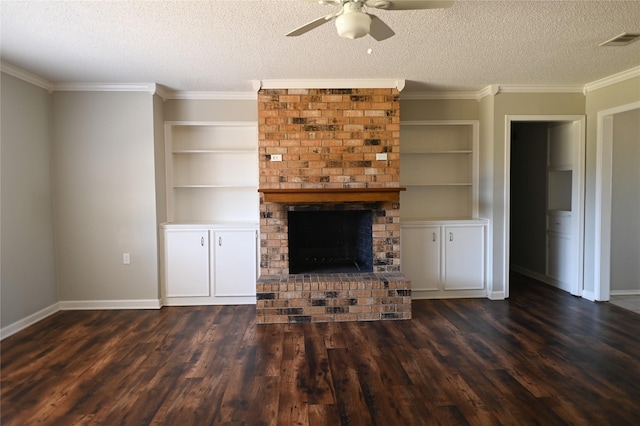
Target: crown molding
point(612, 79)
point(410, 96)
point(330, 84)
point(221, 96)
point(106, 87)
point(491, 89)
point(534, 88)
point(16, 72)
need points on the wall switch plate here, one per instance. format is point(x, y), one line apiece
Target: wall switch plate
point(276, 157)
point(381, 156)
point(126, 258)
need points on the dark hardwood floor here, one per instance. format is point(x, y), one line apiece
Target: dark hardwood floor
point(542, 357)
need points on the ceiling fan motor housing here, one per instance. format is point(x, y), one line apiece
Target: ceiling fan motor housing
point(353, 23)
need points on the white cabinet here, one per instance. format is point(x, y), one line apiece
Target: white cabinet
point(187, 263)
point(421, 257)
point(463, 257)
point(562, 199)
point(211, 171)
point(439, 168)
point(560, 258)
point(234, 268)
point(444, 259)
point(209, 264)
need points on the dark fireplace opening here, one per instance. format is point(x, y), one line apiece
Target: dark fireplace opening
point(330, 241)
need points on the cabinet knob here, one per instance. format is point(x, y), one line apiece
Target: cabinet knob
point(450, 236)
point(434, 237)
point(202, 241)
point(220, 241)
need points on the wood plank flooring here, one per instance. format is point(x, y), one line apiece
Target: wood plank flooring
point(542, 357)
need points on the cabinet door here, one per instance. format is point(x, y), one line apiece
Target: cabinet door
point(187, 263)
point(559, 258)
point(463, 257)
point(235, 263)
point(421, 257)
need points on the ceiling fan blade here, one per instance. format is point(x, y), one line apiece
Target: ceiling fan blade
point(379, 30)
point(311, 25)
point(408, 4)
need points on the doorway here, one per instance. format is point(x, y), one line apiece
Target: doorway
point(544, 199)
point(617, 203)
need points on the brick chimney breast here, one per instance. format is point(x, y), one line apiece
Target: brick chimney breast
point(329, 138)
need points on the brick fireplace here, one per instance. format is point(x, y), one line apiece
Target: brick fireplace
point(328, 140)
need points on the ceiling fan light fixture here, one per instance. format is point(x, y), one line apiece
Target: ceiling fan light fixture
point(353, 25)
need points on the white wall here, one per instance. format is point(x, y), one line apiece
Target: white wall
point(28, 273)
point(104, 197)
point(625, 202)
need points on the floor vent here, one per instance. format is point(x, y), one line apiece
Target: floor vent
point(621, 40)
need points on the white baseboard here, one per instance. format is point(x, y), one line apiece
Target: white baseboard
point(496, 295)
point(84, 305)
point(624, 292)
point(30, 320)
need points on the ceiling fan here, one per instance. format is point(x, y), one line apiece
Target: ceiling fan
point(353, 22)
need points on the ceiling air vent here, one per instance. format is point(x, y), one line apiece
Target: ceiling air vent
point(621, 40)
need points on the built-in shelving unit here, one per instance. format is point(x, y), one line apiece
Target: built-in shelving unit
point(439, 168)
point(210, 243)
point(212, 171)
point(443, 240)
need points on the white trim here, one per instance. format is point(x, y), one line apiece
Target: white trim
point(440, 123)
point(411, 96)
point(625, 292)
point(589, 295)
point(105, 87)
point(211, 123)
point(604, 158)
point(333, 84)
point(447, 294)
point(216, 96)
point(73, 305)
point(577, 228)
point(28, 321)
point(16, 72)
point(492, 89)
point(496, 295)
point(612, 79)
point(533, 88)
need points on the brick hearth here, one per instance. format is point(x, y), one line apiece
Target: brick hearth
point(332, 297)
point(329, 138)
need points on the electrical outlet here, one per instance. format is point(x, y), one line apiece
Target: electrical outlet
point(276, 157)
point(126, 258)
point(381, 156)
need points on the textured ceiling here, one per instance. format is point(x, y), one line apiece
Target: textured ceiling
point(222, 45)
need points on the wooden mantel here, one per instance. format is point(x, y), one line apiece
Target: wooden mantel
point(331, 195)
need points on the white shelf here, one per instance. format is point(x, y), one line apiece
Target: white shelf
point(439, 167)
point(212, 172)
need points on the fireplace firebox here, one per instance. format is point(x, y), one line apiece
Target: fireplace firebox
point(330, 241)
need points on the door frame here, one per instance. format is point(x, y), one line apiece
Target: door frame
point(604, 188)
point(578, 185)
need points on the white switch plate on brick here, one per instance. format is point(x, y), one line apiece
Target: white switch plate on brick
point(276, 157)
point(381, 156)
